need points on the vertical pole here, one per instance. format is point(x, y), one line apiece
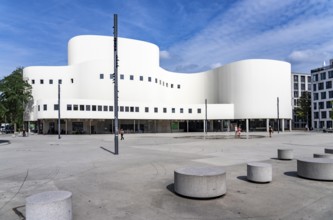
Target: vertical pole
point(59, 111)
point(278, 114)
point(115, 62)
point(206, 116)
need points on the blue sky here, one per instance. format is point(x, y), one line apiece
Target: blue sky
point(193, 35)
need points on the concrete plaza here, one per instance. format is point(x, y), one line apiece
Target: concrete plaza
point(138, 183)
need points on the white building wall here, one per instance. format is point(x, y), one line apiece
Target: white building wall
point(244, 89)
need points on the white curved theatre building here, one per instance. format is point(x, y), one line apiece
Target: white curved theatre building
point(151, 99)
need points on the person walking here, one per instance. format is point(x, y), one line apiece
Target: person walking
point(122, 134)
point(270, 130)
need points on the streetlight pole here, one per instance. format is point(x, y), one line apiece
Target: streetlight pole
point(278, 114)
point(115, 63)
point(59, 111)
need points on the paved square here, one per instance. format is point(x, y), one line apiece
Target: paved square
point(138, 183)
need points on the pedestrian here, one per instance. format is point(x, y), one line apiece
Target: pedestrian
point(270, 130)
point(122, 134)
point(239, 129)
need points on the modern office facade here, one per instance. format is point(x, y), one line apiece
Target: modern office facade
point(322, 96)
point(301, 82)
point(250, 93)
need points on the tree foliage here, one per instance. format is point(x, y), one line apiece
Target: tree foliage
point(15, 93)
point(304, 109)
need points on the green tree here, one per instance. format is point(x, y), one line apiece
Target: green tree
point(304, 109)
point(15, 93)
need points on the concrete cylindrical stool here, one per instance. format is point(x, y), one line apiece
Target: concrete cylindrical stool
point(315, 168)
point(285, 154)
point(200, 182)
point(259, 172)
point(50, 205)
point(329, 150)
point(328, 156)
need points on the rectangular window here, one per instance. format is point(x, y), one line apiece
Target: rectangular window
point(81, 107)
point(302, 87)
point(164, 110)
point(315, 115)
point(156, 80)
point(87, 107)
point(190, 111)
point(314, 87)
point(328, 104)
point(122, 76)
point(173, 110)
point(121, 108)
point(160, 82)
point(323, 95)
point(323, 114)
point(51, 81)
point(75, 107)
point(72, 80)
point(146, 109)
point(321, 86)
point(315, 106)
point(110, 108)
point(56, 107)
point(315, 77)
point(295, 78)
point(330, 94)
point(328, 84)
point(296, 94)
point(99, 108)
point(295, 86)
point(131, 77)
point(45, 107)
point(163, 83)
point(149, 79)
point(303, 79)
point(199, 110)
point(321, 105)
point(323, 76)
point(167, 85)
point(156, 110)
point(141, 78)
point(315, 96)
point(171, 85)
point(93, 108)
point(309, 86)
point(178, 86)
point(131, 109)
point(330, 74)
point(59, 81)
point(136, 109)
point(101, 76)
point(32, 81)
point(105, 108)
point(181, 110)
point(69, 107)
point(126, 109)
point(309, 79)
point(41, 81)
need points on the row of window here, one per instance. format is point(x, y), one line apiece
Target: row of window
point(323, 95)
point(141, 78)
point(109, 108)
point(296, 77)
point(41, 81)
point(323, 76)
point(321, 85)
point(321, 105)
point(322, 114)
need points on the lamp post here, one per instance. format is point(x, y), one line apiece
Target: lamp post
point(278, 114)
point(59, 111)
point(115, 96)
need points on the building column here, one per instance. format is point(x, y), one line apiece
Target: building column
point(89, 126)
point(66, 126)
point(187, 128)
point(290, 129)
point(282, 124)
point(247, 125)
point(134, 127)
point(204, 125)
point(267, 124)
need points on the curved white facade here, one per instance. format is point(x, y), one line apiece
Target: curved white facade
point(245, 89)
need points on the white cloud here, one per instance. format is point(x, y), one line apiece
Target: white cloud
point(164, 54)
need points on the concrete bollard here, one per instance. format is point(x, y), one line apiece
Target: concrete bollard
point(285, 154)
point(259, 172)
point(50, 205)
point(328, 156)
point(315, 168)
point(200, 182)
